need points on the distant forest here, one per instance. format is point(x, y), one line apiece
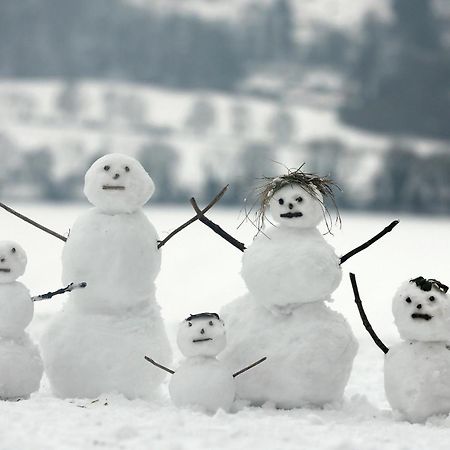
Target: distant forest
point(397, 74)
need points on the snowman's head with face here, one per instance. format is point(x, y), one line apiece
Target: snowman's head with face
point(201, 335)
point(118, 184)
point(13, 261)
point(421, 310)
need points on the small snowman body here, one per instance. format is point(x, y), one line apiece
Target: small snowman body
point(94, 345)
point(20, 362)
point(417, 371)
point(291, 271)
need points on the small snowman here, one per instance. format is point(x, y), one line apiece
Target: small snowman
point(202, 380)
point(417, 370)
point(20, 362)
point(291, 272)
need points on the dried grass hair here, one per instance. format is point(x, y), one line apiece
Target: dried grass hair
point(311, 183)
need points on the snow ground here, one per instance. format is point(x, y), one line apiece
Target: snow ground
point(201, 272)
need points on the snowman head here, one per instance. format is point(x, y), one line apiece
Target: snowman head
point(421, 309)
point(13, 261)
point(117, 184)
point(296, 200)
point(201, 335)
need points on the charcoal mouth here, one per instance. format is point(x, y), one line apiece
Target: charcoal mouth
point(421, 316)
point(108, 187)
point(291, 215)
point(201, 340)
point(5, 270)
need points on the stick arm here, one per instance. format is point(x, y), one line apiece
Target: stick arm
point(364, 318)
point(71, 287)
point(160, 366)
point(239, 372)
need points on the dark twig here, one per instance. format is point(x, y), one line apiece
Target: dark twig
point(369, 242)
point(68, 288)
point(249, 367)
point(159, 365)
point(216, 228)
point(364, 318)
point(193, 219)
point(32, 222)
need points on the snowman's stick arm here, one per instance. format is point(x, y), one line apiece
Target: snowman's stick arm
point(239, 372)
point(216, 228)
point(68, 288)
point(32, 222)
point(362, 247)
point(364, 318)
point(159, 365)
point(193, 219)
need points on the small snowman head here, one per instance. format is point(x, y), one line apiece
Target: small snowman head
point(421, 309)
point(295, 200)
point(118, 184)
point(13, 261)
point(201, 335)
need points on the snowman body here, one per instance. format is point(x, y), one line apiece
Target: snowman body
point(95, 344)
point(291, 271)
point(21, 366)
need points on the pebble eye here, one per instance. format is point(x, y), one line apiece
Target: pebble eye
point(299, 199)
point(432, 299)
point(408, 300)
point(189, 324)
point(211, 323)
point(127, 169)
point(281, 201)
point(13, 250)
point(106, 168)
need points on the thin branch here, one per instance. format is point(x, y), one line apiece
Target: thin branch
point(216, 228)
point(159, 365)
point(68, 288)
point(249, 367)
point(193, 219)
point(364, 318)
point(362, 247)
point(32, 222)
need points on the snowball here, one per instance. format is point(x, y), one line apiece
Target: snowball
point(201, 337)
point(16, 309)
point(86, 355)
point(292, 206)
point(204, 382)
point(421, 315)
point(289, 265)
point(13, 261)
point(117, 183)
point(20, 368)
point(416, 379)
point(309, 353)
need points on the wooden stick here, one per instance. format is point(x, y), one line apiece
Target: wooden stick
point(32, 222)
point(364, 318)
point(68, 288)
point(193, 219)
point(249, 367)
point(369, 242)
point(159, 365)
point(216, 228)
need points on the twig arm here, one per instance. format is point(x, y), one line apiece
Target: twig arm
point(151, 361)
point(364, 318)
point(249, 367)
point(216, 228)
point(32, 222)
point(362, 247)
point(68, 288)
point(193, 219)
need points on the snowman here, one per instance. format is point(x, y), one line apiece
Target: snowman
point(20, 362)
point(94, 345)
point(417, 370)
point(291, 272)
point(202, 380)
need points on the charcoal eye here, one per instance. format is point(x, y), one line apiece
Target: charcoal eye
point(432, 299)
point(13, 250)
point(190, 324)
point(127, 169)
point(211, 324)
point(281, 201)
point(106, 168)
point(408, 300)
point(299, 199)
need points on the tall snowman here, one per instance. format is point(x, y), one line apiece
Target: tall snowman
point(95, 344)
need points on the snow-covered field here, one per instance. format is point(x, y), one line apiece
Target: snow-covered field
point(201, 272)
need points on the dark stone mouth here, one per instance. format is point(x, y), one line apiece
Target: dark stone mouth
point(202, 340)
point(290, 215)
point(113, 188)
point(421, 316)
point(5, 270)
